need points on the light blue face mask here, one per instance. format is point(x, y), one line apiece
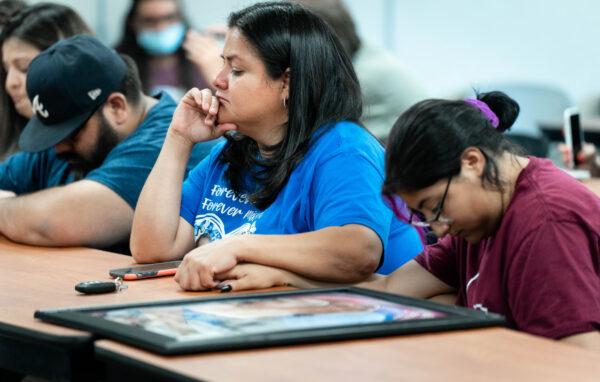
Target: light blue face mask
point(161, 42)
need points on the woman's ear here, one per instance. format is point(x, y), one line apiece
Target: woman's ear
point(472, 162)
point(285, 85)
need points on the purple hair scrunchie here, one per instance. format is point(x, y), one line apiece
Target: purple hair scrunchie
point(485, 109)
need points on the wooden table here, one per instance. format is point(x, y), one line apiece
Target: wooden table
point(493, 354)
point(43, 278)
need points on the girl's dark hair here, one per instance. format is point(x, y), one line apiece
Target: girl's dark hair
point(323, 90)
point(129, 46)
point(427, 141)
point(40, 25)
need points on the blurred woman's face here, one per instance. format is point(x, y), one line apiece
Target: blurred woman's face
point(247, 95)
point(16, 57)
point(156, 15)
point(158, 26)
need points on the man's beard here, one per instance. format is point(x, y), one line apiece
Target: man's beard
point(107, 140)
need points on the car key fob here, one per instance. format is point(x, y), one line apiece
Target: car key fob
point(96, 286)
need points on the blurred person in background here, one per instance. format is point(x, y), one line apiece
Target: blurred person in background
point(23, 37)
point(387, 88)
point(8, 8)
point(170, 56)
point(587, 157)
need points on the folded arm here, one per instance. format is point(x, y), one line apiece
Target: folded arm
point(83, 213)
point(346, 254)
point(253, 276)
point(411, 280)
point(158, 233)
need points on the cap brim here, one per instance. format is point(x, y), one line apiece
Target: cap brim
point(38, 136)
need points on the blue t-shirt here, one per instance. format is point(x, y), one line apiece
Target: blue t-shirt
point(124, 170)
point(338, 182)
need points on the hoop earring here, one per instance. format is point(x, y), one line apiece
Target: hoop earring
point(285, 103)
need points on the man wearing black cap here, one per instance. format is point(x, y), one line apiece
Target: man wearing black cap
point(88, 149)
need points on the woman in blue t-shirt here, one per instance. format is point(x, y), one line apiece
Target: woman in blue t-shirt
point(297, 184)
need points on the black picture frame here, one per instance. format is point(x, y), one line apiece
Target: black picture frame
point(438, 317)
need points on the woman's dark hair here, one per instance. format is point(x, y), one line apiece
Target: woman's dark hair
point(427, 141)
point(8, 8)
point(323, 90)
point(40, 25)
point(129, 46)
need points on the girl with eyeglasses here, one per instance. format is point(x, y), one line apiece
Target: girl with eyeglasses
point(518, 236)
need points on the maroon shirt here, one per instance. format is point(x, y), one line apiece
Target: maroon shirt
point(541, 269)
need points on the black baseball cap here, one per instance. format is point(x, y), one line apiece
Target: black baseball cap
point(66, 84)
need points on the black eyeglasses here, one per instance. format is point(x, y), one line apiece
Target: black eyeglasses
point(421, 221)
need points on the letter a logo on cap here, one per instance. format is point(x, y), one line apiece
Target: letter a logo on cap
point(38, 107)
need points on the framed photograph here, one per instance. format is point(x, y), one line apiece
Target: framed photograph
point(267, 319)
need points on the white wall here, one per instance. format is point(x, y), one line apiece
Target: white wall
point(464, 42)
point(449, 45)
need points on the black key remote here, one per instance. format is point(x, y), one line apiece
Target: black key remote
point(96, 286)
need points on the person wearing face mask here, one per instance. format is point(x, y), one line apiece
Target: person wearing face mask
point(23, 37)
point(159, 39)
